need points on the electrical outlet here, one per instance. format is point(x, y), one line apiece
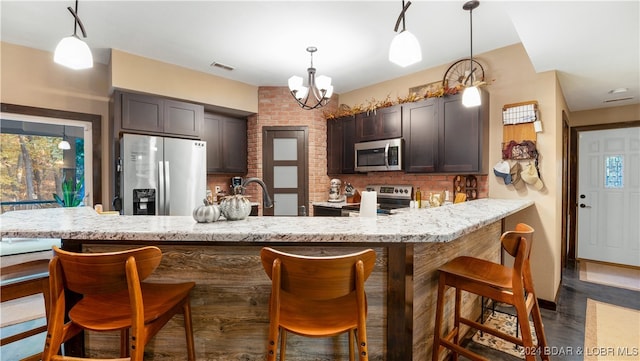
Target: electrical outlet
point(218, 189)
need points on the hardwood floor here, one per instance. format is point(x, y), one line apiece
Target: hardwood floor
point(565, 326)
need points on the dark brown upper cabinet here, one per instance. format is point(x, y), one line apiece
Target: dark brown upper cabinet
point(443, 136)
point(340, 145)
point(383, 123)
point(226, 139)
point(420, 136)
point(155, 115)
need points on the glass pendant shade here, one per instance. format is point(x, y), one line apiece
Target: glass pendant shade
point(295, 82)
point(471, 97)
point(323, 82)
point(64, 145)
point(302, 92)
point(405, 49)
point(73, 53)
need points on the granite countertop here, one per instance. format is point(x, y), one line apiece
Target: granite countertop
point(441, 224)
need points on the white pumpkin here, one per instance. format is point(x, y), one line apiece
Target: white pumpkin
point(235, 207)
point(206, 213)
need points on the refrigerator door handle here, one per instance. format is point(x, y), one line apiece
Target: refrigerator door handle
point(167, 189)
point(161, 202)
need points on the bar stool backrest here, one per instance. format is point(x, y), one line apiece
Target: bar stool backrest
point(317, 278)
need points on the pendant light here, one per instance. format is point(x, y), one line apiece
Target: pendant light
point(71, 51)
point(64, 144)
point(471, 94)
point(405, 48)
point(321, 87)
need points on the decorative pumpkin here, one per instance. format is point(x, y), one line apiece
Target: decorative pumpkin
point(235, 207)
point(206, 213)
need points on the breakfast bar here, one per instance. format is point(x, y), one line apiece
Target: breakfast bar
point(230, 300)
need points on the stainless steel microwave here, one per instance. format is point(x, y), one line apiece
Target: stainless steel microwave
point(379, 155)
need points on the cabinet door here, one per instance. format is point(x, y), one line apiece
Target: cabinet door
point(334, 146)
point(463, 135)
point(420, 136)
point(366, 127)
point(211, 135)
point(142, 112)
point(183, 118)
point(234, 145)
point(389, 122)
point(226, 144)
point(383, 123)
point(348, 142)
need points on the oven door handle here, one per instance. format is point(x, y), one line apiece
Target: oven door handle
point(386, 155)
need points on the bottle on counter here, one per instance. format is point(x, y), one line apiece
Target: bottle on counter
point(418, 198)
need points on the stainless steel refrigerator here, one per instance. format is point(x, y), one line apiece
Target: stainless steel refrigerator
point(162, 176)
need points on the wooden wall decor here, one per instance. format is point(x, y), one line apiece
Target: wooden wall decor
point(518, 126)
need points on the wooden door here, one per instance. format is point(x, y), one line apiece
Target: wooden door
point(285, 163)
point(609, 195)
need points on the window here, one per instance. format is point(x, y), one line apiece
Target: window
point(34, 171)
point(614, 172)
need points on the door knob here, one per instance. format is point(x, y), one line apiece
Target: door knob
point(582, 205)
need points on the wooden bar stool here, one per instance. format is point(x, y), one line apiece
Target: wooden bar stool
point(23, 280)
point(317, 297)
point(513, 286)
point(114, 299)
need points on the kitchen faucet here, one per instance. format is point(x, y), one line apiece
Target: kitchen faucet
point(266, 201)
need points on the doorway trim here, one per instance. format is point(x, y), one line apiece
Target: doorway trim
point(573, 178)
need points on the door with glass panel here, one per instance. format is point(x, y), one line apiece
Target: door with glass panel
point(609, 195)
point(285, 168)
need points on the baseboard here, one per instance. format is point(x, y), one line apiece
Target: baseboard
point(547, 305)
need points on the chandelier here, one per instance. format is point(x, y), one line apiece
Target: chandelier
point(320, 87)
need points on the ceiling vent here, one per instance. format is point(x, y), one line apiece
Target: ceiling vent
point(617, 100)
point(221, 66)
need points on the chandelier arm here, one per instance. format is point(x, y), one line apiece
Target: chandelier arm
point(77, 22)
point(401, 16)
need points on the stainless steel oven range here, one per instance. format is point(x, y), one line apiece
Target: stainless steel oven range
point(389, 197)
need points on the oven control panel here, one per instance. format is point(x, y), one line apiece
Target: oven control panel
point(391, 191)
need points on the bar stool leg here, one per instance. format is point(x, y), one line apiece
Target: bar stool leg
point(437, 332)
point(283, 344)
point(188, 329)
point(456, 326)
point(352, 338)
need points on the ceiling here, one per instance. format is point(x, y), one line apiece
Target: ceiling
point(594, 45)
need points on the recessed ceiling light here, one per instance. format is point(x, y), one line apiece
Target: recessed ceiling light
point(618, 90)
point(221, 66)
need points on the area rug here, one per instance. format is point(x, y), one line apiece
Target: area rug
point(611, 332)
point(604, 274)
point(507, 324)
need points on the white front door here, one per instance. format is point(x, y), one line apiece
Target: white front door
point(609, 195)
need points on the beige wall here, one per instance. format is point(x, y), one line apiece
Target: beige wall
point(511, 79)
point(31, 78)
point(605, 115)
point(133, 72)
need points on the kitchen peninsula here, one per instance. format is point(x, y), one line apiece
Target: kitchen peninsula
point(230, 300)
